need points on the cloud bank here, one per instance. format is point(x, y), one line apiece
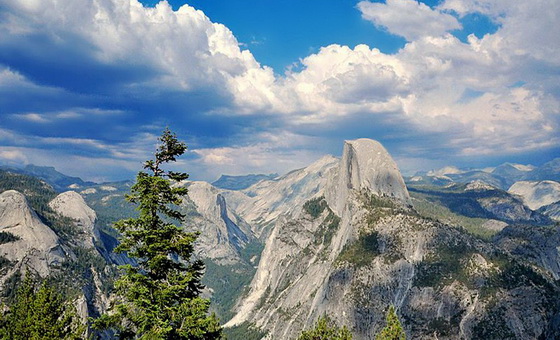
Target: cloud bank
point(98, 80)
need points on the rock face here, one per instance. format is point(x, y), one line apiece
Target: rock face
point(361, 248)
point(264, 202)
point(539, 245)
point(223, 232)
point(537, 194)
point(38, 247)
point(72, 205)
point(365, 164)
point(552, 211)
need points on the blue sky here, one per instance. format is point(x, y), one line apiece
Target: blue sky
point(269, 86)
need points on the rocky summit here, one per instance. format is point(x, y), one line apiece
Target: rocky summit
point(35, 246)
point(358, 247)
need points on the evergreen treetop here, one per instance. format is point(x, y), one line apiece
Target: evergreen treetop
point(159, 298)
point(40, 313)
point(393, 329)
point(326, 329)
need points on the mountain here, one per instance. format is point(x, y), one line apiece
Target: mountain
point(361, 247)
point(49, 174)
point(54, 237)
point(33, 246)
point(502, 176)
point(537, 194)
point(72, 205)
point(548, 171)
point(222, 232)
point(264, 202)
point(513, 172)
point(365, 164)
point(456, 254)
point(240, 182)
point(478, 200)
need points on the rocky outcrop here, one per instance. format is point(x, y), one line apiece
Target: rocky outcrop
point(537, 194)
point(37, 247)
point(263, 203)
point(552, 211)
point(223, 232)
point(539, 245)
point(361, 248)
point(365, 164)
point(72, 205)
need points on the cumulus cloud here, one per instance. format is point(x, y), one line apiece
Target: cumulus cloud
point(120, 67)
point(408, 18)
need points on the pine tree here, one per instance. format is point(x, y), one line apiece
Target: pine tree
point(159, 298)
point(393, 329)
point(325, 329)
point(40, 313)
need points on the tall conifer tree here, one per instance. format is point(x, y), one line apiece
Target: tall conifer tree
point(160, 297)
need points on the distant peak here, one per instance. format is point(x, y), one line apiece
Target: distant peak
point(366, 164)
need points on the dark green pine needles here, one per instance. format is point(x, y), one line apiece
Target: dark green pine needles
point(159, 298)
point(40, 312)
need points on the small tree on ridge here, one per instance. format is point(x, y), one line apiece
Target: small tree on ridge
point(393, 330)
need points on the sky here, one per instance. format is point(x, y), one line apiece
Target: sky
point(269, 86)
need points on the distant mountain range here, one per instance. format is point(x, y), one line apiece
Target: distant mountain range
point(59, 181)
point(502, 176)
point(240, 182)
point(458, 252)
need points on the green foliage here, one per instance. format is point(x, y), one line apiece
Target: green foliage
point(329, 225)
point(393, 329)
point(7, 237)
point(159, 298)
point(362, 251)
point(227, 283)
point(326, 329)
point(10, 286)
point(230, 282)
point(40, 313)
point(244, 331)
point(430, 208)
point(445, 265)
point(315, 206)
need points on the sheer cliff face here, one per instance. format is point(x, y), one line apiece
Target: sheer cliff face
point(365, 164)
point(361, 248)
point(38, 247)
point(223, 232)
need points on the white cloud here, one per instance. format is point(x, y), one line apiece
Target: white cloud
point(13, 156)
point(425, 83)
point(276, 151)
point(408, 18)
